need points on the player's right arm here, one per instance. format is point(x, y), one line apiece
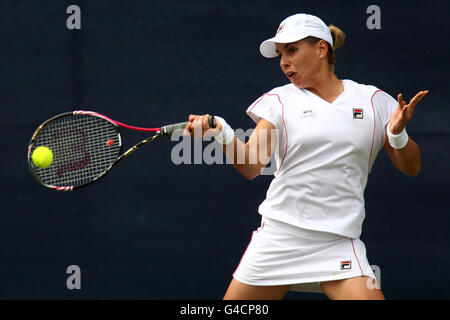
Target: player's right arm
point(252, 157)
point(248, 158)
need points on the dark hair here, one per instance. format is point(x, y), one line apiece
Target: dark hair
point(338, 40)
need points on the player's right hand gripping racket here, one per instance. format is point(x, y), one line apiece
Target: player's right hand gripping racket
point(85, 145)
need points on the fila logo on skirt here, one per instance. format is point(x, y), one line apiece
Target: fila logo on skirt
point(358, 113)
point(346, 264)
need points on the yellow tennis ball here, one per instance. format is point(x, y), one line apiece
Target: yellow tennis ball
point(42, 157)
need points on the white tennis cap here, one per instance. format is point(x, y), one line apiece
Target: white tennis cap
point(294, 28)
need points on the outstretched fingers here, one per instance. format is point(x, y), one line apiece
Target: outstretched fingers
point(401, 102)
point(417, 98)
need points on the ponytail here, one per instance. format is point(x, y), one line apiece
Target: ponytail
point(338, 36)
point(338, 41)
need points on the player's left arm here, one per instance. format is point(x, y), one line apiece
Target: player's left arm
point(406, 159)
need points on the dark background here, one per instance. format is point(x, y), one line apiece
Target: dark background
point(155, 230)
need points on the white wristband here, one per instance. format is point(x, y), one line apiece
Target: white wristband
point(226, 135)
point(397, 141)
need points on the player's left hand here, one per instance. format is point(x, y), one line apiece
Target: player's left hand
point(404, 112)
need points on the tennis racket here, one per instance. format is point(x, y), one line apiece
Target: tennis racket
point(85, 146)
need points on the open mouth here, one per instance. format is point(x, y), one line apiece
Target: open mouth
point(291, 75)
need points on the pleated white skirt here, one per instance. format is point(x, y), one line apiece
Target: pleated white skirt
point(281, 254)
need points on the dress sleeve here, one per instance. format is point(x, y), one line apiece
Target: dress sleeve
point(268, 107)
point(384, 105)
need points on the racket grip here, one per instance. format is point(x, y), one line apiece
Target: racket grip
point(167, 130)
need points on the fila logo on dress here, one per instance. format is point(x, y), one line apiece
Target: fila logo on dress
point(346, 264)
point(358, 113)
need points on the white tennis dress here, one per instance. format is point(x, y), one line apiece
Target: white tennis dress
point(314, 207)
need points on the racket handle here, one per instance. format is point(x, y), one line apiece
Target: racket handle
point(167, 130)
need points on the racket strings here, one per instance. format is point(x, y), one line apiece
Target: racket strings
point(83, 148)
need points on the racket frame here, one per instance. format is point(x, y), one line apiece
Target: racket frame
point(55, 118)
point(166, 130)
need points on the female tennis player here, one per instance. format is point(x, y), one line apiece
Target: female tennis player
point(327, 135)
